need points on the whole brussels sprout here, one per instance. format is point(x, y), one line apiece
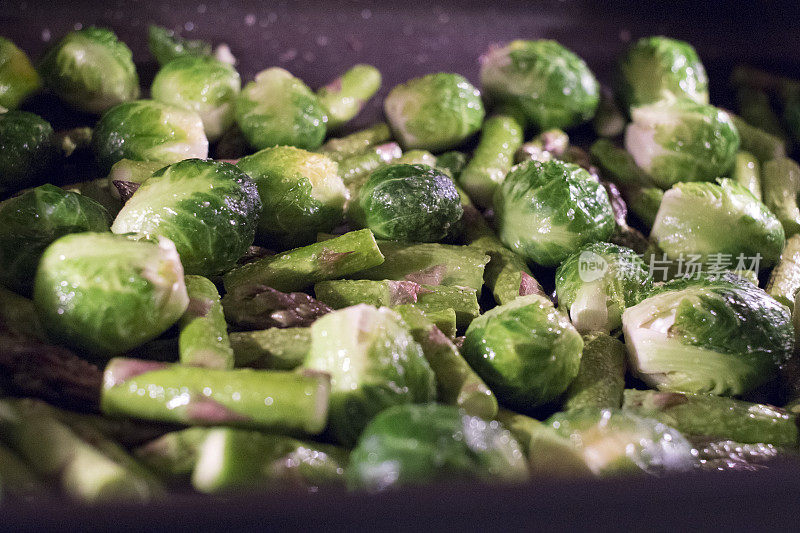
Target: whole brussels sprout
point(682, 141)
point(209, 209)
point(279, 109)
point(723, 220)
point(527, 351)
point(718, 334)
point(202, 84)
point(147, 130)
point(408, 203)
point(106, 293)
point(598, 283)
point(18, 78)
point(27, 150)
point(546, 211)
point(91, 70)
point(659, 68)
point(614, 442)
point(31, 221)
point(374, 363)
point(301, 193)
point(550, 85)
point(435, 112)
point(417, 444)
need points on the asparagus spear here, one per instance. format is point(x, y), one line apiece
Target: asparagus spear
point(452, 163)
point(550, 144)
point(756, 110)
point(355, 169)
point(715, 416)
point(609, 121)
point(273, 348)
point(300, 268)
point(16, 477)
point(417, 157)
point(18, 316)
point(203, 396)
point(173, 455)
point(723, 455)
point(444, 319)
point(344, 97)
point(457, 384)
point(356, 143)
point(258, 306)
point(601, 377)
point(618, 165)
point(784, 281)
point(747, 173)
point(780, 185)
point(644, 202)
point(203, 339)
point(344, 293)
point(761, 144)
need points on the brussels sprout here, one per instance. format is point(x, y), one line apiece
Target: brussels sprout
point(91, 70)
point(301, 195)
point(374, 363)
point(598, 283)
point(147, 130)
point(408, 203)
point(416, 444)
point(527, 351)
point(107, 293)
point(345, 96)
point(705, 218)
point(27, 150)
point(18, 78)
point(207, 208)
point(277, 108)
point(549, 84)
point(682, 141)
point(435, 112)
point(201, 84)
point(166, 46)
point(547, 211)
point(659, 68)
point(31, 221)
point(721, 335)
point(618, 442)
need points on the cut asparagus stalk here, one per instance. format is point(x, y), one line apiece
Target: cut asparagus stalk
point(609, 121)
point(756, 110)
point(16, 477)
point(202, 396)
point(761, 144)
point(261, 307)
point(780, 186)
point(173, 455)
point(444, 319)
point(356, 143)
point(601, 377)
point(356, 169)
point(644, 202)
point(784, 281)
point(725, 455)
point(344, 97)
point(417, 157)
point(272, 349)
point(747, 173)
point(618, 165)
point(203, 340)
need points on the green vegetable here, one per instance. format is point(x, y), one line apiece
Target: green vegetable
point(723, 455)
point(91, 70)
point(279, 109)
point(16, 477)
point(644, 203)
point(147, 130)
point(526, 351)
point(596, 284)
point(601, 376)
point(417, 157)
point(166, 46)
point(107, 293)
point(548, 145)
point(755, 109)
point(18, 317)
point(408, 203)
point(301, 195)
point(417, 444)
point(549, 84)
point(28, 152)
point(339, 149)
point(618, 165)
point(501, 136)
point(203, 339)
point(435, 112)
point(173, 455)
point(747, 173)
point(682, 141)
point(715, 417)
point(719, 334)
point(780, 187)
point(443, 319)
point(271, 400)
point(373, 362)
point(259, 306)
point(18, 78)
point(609, 121)
point(34, 219)
point(452, 163)
point(344, 97)
point(273, 348)
point(561, 201)
point(203, 85)
point(784, 280)
point(761, 144)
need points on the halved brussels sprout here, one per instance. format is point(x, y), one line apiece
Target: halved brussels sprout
point(209, 209)
point(417, 444)
point(18, 78)
point(202, 84)
point(435, 112)
point(720, 220)
point(278, 109)
point(374, 363)
point(27, 150)
point(719, 334)
point(301, 195)
point(31, 221)
point(91, 70)
point(147, 130)
point(106, 293)
point(598, 283)
point(408, 203)
point(659, 68)
point(682, 141)
point(550, 85)
point(527, 351)
point(546, 211)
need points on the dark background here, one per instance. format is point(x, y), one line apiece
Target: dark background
point(316, 41)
